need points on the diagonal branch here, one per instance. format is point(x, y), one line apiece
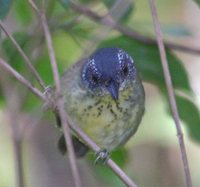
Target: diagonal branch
point(24, 56)
point(172, 100)
point(59, 99)
point(21, 79)
point(108, 21)
point(92, 145)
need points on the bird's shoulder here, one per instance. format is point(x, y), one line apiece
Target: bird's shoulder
point(71, 78)
point(72, 72)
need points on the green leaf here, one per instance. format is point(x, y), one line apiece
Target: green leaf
point(66, 48)
point(147, 60)
point(31, 102)
point(4, 7)
point(190, 115)
point(82, 31)
point(23, 11)
point(44, 68)
point(119, 156)
point(106, 174)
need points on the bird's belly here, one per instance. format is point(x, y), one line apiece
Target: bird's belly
point(105, 121)
point(111, 129)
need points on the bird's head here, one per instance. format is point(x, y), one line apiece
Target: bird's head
point(108, 70)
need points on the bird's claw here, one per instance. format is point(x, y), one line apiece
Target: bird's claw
point(102, 157)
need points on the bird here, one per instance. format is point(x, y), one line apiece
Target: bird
point(103, 95)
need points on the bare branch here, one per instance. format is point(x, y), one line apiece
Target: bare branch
point(21, 79)
point(108, 21)
point(51, 53)
point(60, 104)
point(24, 56)
point(59, 101)
point(172, 100)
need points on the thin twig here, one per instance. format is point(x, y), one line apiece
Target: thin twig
point(51, 52)
point(21, 79)
point(172, 100)
point(108, 21)
point(24, 56)
point(60, 103)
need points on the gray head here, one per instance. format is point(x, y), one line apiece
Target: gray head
point(107, 70)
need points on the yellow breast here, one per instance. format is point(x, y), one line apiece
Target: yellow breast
point(107, 122)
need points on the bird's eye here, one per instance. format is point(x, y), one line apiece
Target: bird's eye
point(125, 70)
point(94, 79)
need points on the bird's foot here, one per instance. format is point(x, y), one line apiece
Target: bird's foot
point(102, 157)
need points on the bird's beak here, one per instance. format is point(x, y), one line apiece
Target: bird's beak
point(113, 88)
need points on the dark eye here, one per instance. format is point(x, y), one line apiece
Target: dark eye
point(95, 79)
point(125, 70)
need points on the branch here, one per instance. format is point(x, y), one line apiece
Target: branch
point(108, 21)
point(59, 101)
point(24, 56)
point(172, 100)
point(21, 79)
point(92, 145)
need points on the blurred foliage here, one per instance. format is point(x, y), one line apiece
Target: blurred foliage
point(65, 3)
point(147, 60)
point(176, 30)
point(124, 16)
point(72, 34)
point(198, 2)
point(4, 7)
point(189, 113)
point(12, 54)
point(23, 11)
point(120, 157)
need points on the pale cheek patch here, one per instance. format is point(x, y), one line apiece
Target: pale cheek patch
point(92, 66)
point(120, 56)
